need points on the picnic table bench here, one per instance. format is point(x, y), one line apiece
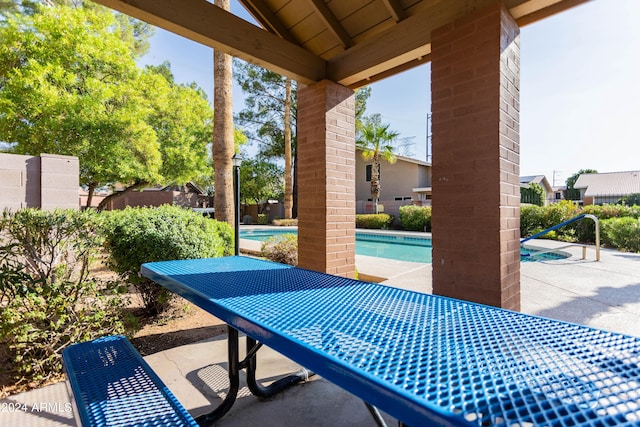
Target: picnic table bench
point(423, 359)
point(113, 386)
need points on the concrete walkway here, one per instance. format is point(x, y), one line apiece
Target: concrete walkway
point(603, 294)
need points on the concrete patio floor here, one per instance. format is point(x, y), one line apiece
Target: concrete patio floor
point(603, 294)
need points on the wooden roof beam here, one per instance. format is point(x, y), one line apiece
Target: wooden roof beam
point(395, 9)
point(212, 26)
point(269, 21)
point(332, 24)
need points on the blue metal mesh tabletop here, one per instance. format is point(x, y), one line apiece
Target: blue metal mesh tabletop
point(421, 357)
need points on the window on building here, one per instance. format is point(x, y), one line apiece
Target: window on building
point(369, 168)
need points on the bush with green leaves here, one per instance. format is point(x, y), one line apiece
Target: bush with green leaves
point(630, 200)
point(622, 233)
point(415, 218)
point(282, 248)
point(137, 235)
point(533, 194)
point(375, 221)
point(531, 218)
point(263, 219)
point(49, 297)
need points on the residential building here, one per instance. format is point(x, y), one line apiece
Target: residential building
point(601, 188)
point(542, 181)
point(405, 182)
point(188, 195)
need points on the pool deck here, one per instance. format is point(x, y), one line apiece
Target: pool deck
point(604, 294)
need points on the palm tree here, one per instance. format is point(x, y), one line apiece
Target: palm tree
point(375, 140)
point(223, 137)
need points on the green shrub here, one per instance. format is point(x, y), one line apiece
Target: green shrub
point(622, 233)
point(138, 235)
point(263, 219)
point(376, 221)
point(531, 218)
point(534, 194)
point(281, 248)
point(49, 297)
point(415, 218)
point(630, 200)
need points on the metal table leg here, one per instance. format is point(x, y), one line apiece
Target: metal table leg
point(234, 381)
point(249, 363)
point(277, 386)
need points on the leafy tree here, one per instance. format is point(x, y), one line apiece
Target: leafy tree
point(572, 193)
point(270, 118)
point(69, 85)
point(260, 181)
point(534, 195)
point(630, 200)
point(376, 143)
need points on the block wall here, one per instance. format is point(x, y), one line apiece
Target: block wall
point(47, 182)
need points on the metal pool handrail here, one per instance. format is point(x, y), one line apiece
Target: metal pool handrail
point(569, 221)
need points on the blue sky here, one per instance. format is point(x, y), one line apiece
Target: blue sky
point(579, 89)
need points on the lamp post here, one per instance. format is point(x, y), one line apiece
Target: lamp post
point(237, 161)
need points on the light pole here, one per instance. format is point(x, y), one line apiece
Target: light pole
point(237, 161)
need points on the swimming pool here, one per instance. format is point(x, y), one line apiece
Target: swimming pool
point(394, 246)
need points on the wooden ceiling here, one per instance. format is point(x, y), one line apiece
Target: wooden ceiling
point(352, 42)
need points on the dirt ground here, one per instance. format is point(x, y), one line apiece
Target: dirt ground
point(185, 323)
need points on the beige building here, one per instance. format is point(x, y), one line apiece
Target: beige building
point(405, 182)
point(47, 181)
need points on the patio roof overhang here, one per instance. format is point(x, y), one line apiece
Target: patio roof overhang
point(351, 43)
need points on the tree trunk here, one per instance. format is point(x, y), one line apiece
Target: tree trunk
point(288, 173)
point(375, 182)
point(223, 144)
point(90, 191)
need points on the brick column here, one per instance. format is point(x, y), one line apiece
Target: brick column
point(476, 194)
point(326, 178)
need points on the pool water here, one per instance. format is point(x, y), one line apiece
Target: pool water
point(400, 248)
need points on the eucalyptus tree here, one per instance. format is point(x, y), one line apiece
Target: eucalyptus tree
point(375, 140)
point(270, 119)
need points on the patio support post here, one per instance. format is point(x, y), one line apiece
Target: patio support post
point(475, 75)
point(326, 178)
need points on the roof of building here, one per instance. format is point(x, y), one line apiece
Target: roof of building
point(536, 179)
point(609, 184)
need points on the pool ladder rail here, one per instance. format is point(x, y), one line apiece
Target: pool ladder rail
point(562, 224)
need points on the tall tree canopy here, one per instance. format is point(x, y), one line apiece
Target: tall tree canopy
point(69, 85)
point(270, 117)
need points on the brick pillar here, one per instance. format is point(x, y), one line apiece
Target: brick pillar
point(326, 178)
point(475, 75)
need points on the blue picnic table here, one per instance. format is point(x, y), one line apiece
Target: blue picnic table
point(424, 359)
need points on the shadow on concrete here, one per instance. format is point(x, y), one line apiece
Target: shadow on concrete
point(154, 343)
point(584, 308)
